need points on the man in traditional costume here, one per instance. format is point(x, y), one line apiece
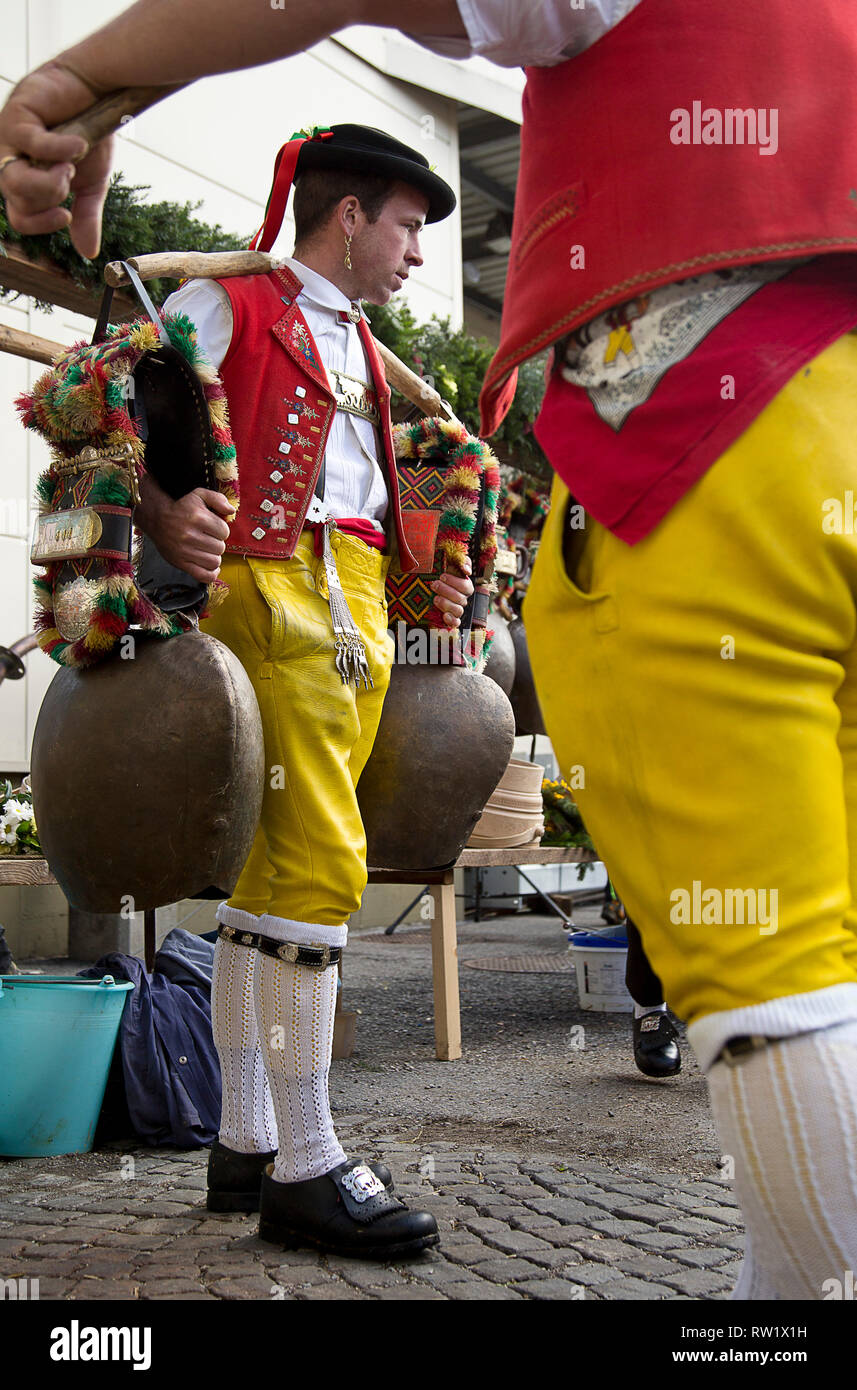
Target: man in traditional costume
point(306, 560)
point(695, 641)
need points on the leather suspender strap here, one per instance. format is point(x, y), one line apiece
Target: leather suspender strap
point(147, 304)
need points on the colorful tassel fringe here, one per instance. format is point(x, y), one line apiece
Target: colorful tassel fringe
point(81, 400)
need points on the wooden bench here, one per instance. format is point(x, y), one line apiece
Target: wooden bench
point(444, 924)
point(23, 870)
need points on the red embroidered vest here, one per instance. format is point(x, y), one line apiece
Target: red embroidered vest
point(632, 174)
point(281, 408)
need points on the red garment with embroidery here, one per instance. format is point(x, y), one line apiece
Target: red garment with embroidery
point(608, 205)
point(628, 480)
point(281, 408)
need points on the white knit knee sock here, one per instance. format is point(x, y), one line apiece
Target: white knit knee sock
point(753, 1283)
point(788, 1115)
point(295, 1005)
point(247, 1120)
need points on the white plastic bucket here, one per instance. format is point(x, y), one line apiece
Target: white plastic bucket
point(600, 965)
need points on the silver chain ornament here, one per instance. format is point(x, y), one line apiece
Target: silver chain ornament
point(351, 661)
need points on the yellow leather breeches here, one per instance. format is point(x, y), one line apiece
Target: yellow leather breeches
point(704, 683)
point(308, 861)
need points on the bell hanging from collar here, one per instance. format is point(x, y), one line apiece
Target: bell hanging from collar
point(147, 766)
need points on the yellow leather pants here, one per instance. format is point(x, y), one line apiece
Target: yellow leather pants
point(308, 861)
point(704, 684)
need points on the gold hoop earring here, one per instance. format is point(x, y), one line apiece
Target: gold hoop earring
point(348, 265)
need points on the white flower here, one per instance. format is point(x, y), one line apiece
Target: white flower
point(8, 833)
point(14, 812)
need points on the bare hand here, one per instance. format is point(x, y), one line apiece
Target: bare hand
point(34, 197)
point(190, 533)
point(451, 593)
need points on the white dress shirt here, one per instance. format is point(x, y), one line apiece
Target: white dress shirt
point(354, 483)
point(529, 33)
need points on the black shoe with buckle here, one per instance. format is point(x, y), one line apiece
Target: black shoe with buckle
point(235, 1179)
point(655, 1047)
point(348, 1211)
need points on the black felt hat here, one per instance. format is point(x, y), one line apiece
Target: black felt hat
point(356, 147)
point(368, 151)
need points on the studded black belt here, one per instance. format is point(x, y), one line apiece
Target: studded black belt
point(319, 957)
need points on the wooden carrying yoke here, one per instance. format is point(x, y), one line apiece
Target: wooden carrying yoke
point(188, 265)
point(192, 265)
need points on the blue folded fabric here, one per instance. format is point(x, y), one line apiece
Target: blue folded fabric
point(169, 1061)
point(186, 959)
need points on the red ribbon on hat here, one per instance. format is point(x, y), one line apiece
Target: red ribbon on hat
point(284, 173)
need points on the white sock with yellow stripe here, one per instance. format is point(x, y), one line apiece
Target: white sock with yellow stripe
point(787, 1114)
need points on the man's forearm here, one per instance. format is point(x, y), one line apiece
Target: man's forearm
point(159, 41)
point(151, 506)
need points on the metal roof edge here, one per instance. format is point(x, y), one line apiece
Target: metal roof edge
point(486, 86)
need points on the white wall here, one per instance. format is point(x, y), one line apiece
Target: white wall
point(214, 143)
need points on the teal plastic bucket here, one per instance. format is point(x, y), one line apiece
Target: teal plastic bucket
point(57, 1035)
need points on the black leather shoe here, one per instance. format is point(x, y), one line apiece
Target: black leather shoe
point(655, 1047)
point(235, 1179)
point(348, 1211)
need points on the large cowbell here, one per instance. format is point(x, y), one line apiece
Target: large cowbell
point(444, 741)
point(148, 763)
point(147, 775)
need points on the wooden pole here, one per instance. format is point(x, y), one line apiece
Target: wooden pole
point(190, 265)
point(42, 279)
point(180, 265)
point(413, 387)
point(20, 344)
point(114, 110)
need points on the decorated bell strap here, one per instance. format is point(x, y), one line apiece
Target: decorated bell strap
point(142, 400)
point(449, 485)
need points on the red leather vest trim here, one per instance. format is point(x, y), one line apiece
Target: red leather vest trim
point(281, 408)
point(647, 211)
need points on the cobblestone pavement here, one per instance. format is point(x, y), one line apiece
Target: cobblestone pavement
point(131, 1224)
point(555, 1170)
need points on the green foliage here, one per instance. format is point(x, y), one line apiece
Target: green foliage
point(132, 227)
point(563, 822)
point(456, 362)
